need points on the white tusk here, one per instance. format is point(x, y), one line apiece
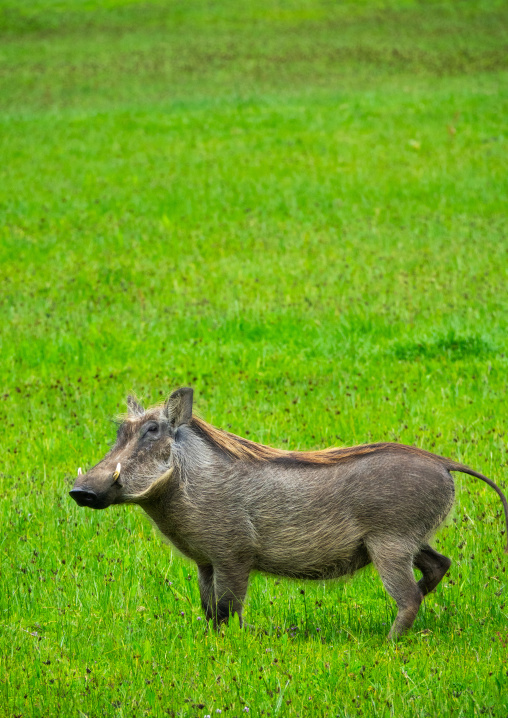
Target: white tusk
point(117, 471)
point(79, 471)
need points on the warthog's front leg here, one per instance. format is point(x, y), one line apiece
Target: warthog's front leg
point(230, 587)
point(206, 590)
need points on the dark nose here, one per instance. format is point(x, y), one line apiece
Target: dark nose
point(83, 497)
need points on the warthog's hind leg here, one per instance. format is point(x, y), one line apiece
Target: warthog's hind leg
point(433, 566)
point(395, 566)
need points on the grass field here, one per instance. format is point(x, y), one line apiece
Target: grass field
point(297, 207)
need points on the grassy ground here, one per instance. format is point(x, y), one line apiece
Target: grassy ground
point(298, 208)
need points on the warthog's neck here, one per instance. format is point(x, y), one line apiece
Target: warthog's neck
point(176, 510)
point(192, 456)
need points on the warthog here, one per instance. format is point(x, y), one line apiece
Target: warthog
point(234, 506)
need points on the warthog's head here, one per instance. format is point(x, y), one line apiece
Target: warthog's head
point(139, 463)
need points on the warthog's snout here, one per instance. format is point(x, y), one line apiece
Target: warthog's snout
point(97, 489)
point(84, 497)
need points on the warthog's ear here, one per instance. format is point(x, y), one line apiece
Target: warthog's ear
point(153, 492)
point(134, 408)
point(178, 407)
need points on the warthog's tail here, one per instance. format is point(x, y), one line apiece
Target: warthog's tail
point(455, 466)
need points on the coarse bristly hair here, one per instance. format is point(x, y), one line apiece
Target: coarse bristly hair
point(237, 447)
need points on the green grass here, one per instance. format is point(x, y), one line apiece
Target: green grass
point(298, 208)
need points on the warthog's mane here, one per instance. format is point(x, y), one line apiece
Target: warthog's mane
point(237, 447)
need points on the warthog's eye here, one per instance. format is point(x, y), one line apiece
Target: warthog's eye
point(151, 430)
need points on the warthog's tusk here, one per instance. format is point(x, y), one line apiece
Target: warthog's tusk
point(117, 472)
point(79, 471)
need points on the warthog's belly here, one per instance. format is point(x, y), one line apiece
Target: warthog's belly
point(330, 568)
